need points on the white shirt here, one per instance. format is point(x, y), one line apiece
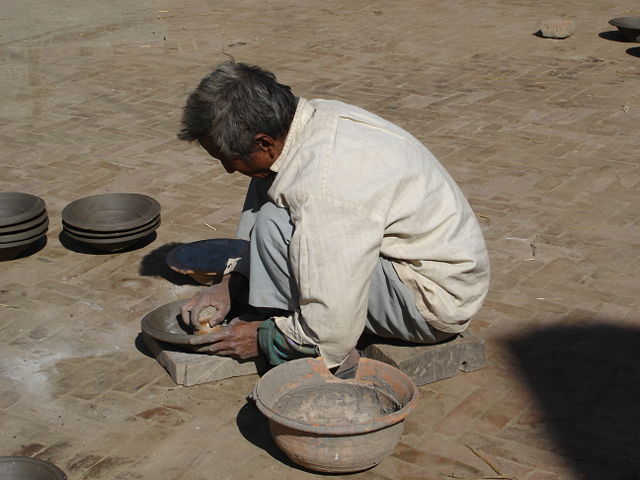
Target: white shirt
point(358, 187)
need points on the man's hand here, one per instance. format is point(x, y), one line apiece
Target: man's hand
point(216, 296)
point(239, 340)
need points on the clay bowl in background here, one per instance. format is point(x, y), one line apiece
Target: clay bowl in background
point(332, 425)
point(23, 221)
point(111, 212)
point(206, 260)
point(88, 234)
point(32, 232)
point(629, 27)
point(112, 244)
point(18, 207)
point(117, 231)
point(23, 226)
point(27, 468)
point(9, 251)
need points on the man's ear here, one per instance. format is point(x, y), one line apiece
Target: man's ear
point(264, 142)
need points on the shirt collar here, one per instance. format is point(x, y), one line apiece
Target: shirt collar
point(304, 111)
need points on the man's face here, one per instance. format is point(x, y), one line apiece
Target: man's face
point(257, 166)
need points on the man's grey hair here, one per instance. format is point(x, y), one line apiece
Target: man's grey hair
point(234, 103)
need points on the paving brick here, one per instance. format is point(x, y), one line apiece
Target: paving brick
point(464, 416)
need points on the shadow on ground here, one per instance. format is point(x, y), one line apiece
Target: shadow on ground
point(633, 51)
point(35, 247)
point(255, 428)
point(587, 381)
point(154, 264)
point(80, 247)
point(613, 35)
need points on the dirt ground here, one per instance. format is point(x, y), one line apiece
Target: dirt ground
point(542, 136)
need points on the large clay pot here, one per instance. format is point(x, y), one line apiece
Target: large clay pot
point(328, 424)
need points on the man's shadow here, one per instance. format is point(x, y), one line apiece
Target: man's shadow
point(586, 378)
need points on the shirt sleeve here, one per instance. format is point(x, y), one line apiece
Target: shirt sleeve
point(333, 251)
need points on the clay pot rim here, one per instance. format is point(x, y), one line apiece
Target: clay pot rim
point(631, 23)
point(23, 226)
point(34, 208)
point(26, 234)
point(89, 235)
point(338, 429)
point(26, 241)
point(114, 239)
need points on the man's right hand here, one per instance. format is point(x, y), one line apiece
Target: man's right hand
point(216, 296)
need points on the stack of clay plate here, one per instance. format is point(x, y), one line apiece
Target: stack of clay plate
point(111, 221)
point(23, 221)
point(629, 27)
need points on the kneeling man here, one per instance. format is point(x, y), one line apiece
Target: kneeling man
point(354, 226)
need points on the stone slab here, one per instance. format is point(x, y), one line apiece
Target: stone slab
point(557, 28)
point(187, 368)
point(430, 363)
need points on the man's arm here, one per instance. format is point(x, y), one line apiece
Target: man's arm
point(333, 251)
point(219, 296)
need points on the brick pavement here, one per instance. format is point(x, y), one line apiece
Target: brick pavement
point(541, 135)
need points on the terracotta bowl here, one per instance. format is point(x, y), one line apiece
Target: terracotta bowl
point(111, 212)
point(27, 468)
point(206, 260)
point(331, 425)
point(18, 207)
point(629, 27)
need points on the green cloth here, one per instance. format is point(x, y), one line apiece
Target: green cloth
point(278, 348)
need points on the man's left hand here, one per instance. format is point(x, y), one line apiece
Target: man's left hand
point(238, 340)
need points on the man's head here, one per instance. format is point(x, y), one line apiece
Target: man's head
point(240, 114)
